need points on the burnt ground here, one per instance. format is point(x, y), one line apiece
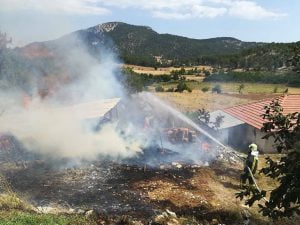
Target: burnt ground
point(105, 187)
point(114, 189)
point(118, 189)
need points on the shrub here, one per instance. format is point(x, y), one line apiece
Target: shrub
point(182, 86)
point(159, 89)
point(12, 201)
point(217, 89)
point(275, 89)
point(241, 88)
point(206, 73)
point(170, 90)
point(205, 89)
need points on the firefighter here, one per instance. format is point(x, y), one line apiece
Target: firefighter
point(251, 163)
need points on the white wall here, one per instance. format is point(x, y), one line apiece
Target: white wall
point(255, 135)
point(241, 136)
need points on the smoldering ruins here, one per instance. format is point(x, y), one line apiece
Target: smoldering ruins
point(82, 142)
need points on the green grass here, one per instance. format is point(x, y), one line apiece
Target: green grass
point(250, 88)
point(26, 218)
point(12, 201)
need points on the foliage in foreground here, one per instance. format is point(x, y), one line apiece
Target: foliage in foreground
point(284, 200)
point(17, 218)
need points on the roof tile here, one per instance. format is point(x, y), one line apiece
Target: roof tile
point(252, 113)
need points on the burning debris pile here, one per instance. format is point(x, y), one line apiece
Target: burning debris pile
point(152, 135)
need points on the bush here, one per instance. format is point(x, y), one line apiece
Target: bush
point(11, 201)
point(205, 89)
point(275, 90)
point(159, 89)
point(206, 73)
point(182, 87)
point(170, 90)
point(241, 88)
point(217, 89)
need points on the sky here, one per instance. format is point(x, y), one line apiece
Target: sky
point(248, 20)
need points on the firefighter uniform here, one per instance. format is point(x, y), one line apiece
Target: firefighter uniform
point(251, 163)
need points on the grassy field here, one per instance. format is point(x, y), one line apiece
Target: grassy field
point(28, 218)
point(163, 70)
point(197, 100)
point(250, 88)
point(230, 95)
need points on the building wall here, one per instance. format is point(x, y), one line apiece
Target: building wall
point(236, 137)
point(254, 135)
point(241, 136)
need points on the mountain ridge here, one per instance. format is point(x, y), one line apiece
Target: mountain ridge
point(143, 45)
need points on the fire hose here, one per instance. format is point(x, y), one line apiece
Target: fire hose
point(251, 174)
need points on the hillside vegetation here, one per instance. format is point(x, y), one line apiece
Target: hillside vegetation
point(141, 45)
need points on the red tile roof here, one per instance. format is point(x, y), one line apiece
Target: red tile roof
point(251, 113)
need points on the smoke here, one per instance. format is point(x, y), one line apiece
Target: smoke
point(49, 131)
point(54, 117)
point(163, 117)
point(48, 124)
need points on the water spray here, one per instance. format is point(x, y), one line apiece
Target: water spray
point(182, 117)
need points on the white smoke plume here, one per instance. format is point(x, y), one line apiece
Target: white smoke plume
point(48, 125)
point(43, 126)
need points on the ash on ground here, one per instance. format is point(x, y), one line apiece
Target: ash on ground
point(107, 186)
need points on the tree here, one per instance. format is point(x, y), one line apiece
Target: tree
point(182, 87)
point(294, 61)
point(4, 40)
point(217, 89)
point(206, 73)
point(159, 89)
point(132, 82)
point(4, 55)
point(182, 71)
point(219, 120)
point(284, 200)
point(204, 116)
point(205, 89)
point(241, 88)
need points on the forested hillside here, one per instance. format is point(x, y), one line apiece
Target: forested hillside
point(268, 57)
point(141, 45)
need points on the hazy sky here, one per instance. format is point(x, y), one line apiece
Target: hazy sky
point(248, 20)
